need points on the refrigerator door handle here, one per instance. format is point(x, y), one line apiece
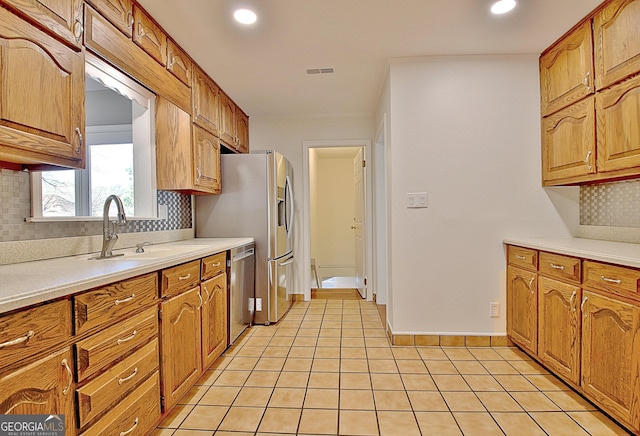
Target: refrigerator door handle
point(288, 262)
point(289, 193)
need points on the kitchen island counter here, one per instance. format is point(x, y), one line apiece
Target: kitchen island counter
point(29, 283)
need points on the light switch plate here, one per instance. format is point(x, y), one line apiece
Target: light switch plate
point(416, 200)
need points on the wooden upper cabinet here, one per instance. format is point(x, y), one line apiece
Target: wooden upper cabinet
point(566, 70)
point(611, 356)
point(617, 45)
point(118, 12)
point(206, 102)
point(178, 62)
point(227, 120)
point(62, 18)
point(618, 132)
point(206, 149)
point(42, 104)
point(242, 131)
point(149, 36)
point(569, 143)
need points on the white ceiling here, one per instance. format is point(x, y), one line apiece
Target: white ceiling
point(263, 67)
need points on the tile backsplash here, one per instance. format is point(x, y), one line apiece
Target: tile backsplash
point(15, 206)
point(614, 204)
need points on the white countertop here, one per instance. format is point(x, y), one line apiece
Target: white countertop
point(619, 253)
point(24, 284)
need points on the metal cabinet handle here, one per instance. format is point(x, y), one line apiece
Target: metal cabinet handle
point(216, 264)
point(608, 280)
point(133, 427)
point(584, 300)
point(198, 174)
point(207, 291)
point(124, 300)
point(129, 377)
point(133, 335)
point(19, 340)
point(201, 302)
point(172, 61)
point(181, 278)
point(140, 30)
point(554, 266)
point(129, 20)
point(587, 160)
point(530, 284)
point(78, 29)
point(586, 80)
point(79, 147)
point(69, 376)
point(572, 300)
point(521, 257)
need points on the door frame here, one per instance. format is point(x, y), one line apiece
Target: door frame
point(306, 213)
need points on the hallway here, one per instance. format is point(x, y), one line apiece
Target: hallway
point(327, 369)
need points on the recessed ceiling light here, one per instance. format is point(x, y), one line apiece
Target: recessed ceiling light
point(503, 6)
point(245, 16)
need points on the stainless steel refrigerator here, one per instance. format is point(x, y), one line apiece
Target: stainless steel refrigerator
point(256, 201)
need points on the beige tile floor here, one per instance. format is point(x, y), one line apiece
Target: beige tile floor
point(327, 369)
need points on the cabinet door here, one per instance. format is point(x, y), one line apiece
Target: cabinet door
point(242, 131)
point(180, 355)
point(227, 120)
point(179, 63)
point(206, 150)
point(559, 327)
point(617, 46)
point(63, 18)
point(569, 142)
point(44, 387)
point(618, 111)
point(611, 356)
point(42, 102)
point(174, 160)
point(214, 319)
point(149, 36)
point(522, 312)
point(118, 12)
point(566, 70)
point(206, 103)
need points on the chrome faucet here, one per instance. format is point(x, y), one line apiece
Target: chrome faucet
point(109, 236)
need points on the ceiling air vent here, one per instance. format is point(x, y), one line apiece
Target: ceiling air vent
point(320, 70)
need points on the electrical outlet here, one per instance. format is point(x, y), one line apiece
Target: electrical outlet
point(258, 304)
point(494, 310)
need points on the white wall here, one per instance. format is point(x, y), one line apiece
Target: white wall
point(286, 135)
point(467, 132)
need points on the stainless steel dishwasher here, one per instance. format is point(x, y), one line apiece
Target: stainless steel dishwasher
point(241, 290)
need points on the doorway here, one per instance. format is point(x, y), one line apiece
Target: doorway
point(337, 208)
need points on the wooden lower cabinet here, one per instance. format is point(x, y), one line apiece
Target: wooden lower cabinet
point(611, 356)
point(522, 303)
point(43, 387)
point(180, 332)
point(214, 318)
point(137, 414)
point(559, 328)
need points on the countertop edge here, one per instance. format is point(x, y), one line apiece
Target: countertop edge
point(100, 273)
point(618, 253)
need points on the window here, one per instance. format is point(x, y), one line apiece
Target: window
point(120, 146)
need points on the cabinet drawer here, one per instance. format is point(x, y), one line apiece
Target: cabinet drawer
point(618, 279)
point(180, 278)
point(29, 332)
point(96, 396)
point(105, 305)
point(562, 267)
point(135, 415)
point(113, 343)
point(214, 265)
point(523, 257)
